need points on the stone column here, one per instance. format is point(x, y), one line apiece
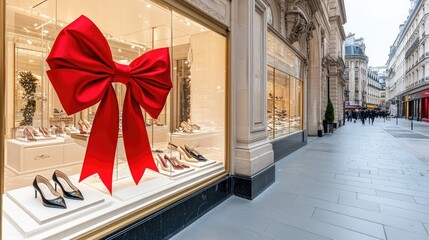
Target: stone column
point(252, 155)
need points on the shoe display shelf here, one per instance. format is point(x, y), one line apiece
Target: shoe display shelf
point(30, 156)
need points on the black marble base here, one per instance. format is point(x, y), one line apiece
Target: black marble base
point(251, 187)
point(320, 133)
point(285, 146)
point(174, 218)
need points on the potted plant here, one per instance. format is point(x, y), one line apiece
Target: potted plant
point(329, 117)
point(29, 83)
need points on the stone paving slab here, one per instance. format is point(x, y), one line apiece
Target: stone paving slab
point(362, 182)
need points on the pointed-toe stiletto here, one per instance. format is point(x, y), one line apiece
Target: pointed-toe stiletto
point(185, 155)
point(175, 165)
point(50, 197)
point(194, 153)
point(163, 164)
point(175, 162)
point(28, 135)
point(69, 190)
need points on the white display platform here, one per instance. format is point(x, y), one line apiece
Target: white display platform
point(24, 198)
point(199, 164)
point(176, 172)
point(125, 188)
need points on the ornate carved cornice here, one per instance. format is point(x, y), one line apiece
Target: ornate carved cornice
point(298, 19)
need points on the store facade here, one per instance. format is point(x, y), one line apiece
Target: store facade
point(416, 105)
point(200, 98)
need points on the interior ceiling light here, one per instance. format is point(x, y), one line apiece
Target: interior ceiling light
point(148, 5)
point(46, 23)
point(29, 42)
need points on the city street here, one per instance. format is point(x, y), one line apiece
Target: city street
point(362, 182)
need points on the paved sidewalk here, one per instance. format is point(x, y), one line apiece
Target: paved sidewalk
point(362, 182)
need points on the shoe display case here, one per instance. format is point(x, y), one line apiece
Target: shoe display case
point(187, 140)
point(284, 91)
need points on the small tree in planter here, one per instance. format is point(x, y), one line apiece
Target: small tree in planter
point(29, 83)
point(329, 116)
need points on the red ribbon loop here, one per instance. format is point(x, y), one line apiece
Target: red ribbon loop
point(82, 70)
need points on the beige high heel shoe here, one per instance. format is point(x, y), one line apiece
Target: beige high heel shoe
point(186, 155)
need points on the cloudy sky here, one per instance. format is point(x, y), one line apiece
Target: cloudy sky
point(377, 21)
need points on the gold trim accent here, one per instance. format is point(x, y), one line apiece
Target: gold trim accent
point(2, 102)
point(139, 214)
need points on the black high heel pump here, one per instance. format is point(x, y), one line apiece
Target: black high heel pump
point(69, 190)
point(50, 197)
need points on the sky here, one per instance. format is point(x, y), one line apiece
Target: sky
point(377, 21)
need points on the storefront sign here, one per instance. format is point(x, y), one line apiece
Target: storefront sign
point(421, 94)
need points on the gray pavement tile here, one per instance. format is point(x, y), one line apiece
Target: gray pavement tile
point(377, 217)
point(398, 234)
point(215, 229)
point(280, 231)
point(351, 223)
point(427, 227)
point(404, 213)
point(352, 174)
point(350, 178)
point(366, 205)
point(318, 194)
point(397, 196)
point(395, 203)
point(313, 226)
point(423, 201)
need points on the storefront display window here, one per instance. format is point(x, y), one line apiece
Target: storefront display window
point(46, 142)
point(284, 103)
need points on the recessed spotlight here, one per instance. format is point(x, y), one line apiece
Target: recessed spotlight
point(148, 5)
point(119, 50)
point(31, 61)
point(29, 42)
point(35, 25)
point(45, 31)
point(202, 29)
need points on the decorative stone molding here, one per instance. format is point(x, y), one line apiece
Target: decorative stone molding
point(296, 25)
point(218, 9)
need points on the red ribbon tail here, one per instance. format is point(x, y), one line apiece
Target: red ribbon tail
point(101, 150)
point(136, 142)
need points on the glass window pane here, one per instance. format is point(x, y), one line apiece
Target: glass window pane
point(186, 142)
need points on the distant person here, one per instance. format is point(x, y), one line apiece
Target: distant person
point(354, 115)
point(362, 116)
point(372, 116)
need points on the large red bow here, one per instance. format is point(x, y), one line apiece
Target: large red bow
point(82, 73)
